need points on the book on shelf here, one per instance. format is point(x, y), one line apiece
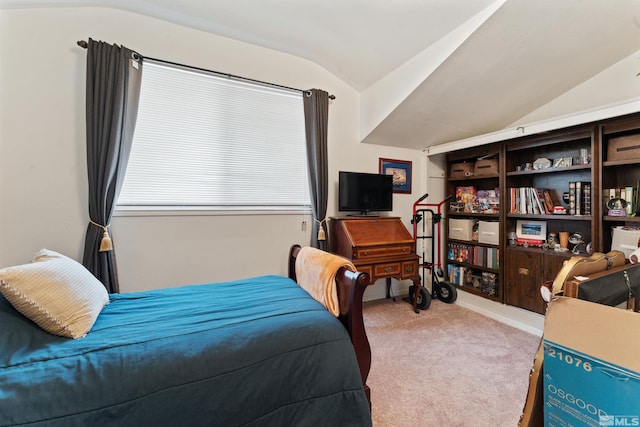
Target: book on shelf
point(578, 185)
point(580, 198)
point(528, 200)
point(586, 198)
point(545, 209)
point(629, 198)
point(583, 197)
point(572, 198)
point(481, 256)
point(549, 202)
point(459, 275)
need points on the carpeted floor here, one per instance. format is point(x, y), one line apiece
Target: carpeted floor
point(447, 366)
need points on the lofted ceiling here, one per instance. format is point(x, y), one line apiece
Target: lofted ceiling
point(492, 61)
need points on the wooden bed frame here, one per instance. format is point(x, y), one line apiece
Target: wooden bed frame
point(354, 284)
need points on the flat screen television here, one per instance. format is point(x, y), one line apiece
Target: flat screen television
point(364, 192)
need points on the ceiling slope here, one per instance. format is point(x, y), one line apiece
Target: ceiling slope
point(525, 55)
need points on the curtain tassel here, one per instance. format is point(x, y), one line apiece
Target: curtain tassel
point(105, 244)
point(321, 233)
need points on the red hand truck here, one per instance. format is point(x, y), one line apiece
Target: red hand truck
point(427, 236)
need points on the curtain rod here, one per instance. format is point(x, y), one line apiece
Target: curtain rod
point(83, 44)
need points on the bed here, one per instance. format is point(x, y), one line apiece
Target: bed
point(253, 352)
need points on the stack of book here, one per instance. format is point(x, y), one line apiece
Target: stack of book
point(476, 255)
point(531, 200)
point(487, 283)
point(459, 275)
point(579, 198)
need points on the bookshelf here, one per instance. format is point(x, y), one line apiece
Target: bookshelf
point(567, 157)
point(554, 182)
point(472, 225)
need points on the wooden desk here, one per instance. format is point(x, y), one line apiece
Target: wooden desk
point(380, 246)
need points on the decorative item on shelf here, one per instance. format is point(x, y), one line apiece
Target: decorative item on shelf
point(589, 248)
point(564, 241)
point(541, 163)
point(531, 230)
point(456, 206)
point(487, 201)
point(466, 195)
point(553, 241)
point(559, 210)
point(617, 207)
point(577, 241)
point(585, 156)
point(563, 162)
point(513, 239)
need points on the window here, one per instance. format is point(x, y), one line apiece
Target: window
point(205, 141)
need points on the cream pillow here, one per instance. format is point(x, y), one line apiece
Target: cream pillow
point(55, 292)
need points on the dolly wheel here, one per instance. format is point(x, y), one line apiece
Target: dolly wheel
point(424, 299)
point(447, 293)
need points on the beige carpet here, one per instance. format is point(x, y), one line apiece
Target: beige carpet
point(447, 366)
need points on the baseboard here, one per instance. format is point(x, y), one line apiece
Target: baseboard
point(525, 320)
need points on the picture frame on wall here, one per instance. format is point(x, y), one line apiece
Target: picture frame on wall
point(401, 171)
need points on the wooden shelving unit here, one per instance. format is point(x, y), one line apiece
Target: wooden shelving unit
point(522, 270)
point(475, 277)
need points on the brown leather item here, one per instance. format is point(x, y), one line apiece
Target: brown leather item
point(461, 170)
point(486, 167)
point(623, 148)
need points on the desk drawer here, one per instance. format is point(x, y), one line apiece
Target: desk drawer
point(382, 251)
point(390, 269)
point(409, 269)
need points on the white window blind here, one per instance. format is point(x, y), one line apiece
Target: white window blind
point(207, 141)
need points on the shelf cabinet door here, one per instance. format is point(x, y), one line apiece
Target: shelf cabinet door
point(525, 273)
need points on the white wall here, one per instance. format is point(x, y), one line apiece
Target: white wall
point(42, 150)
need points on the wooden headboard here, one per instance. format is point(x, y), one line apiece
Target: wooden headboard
point(353, 284)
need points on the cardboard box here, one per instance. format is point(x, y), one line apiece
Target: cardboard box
point(489, 232)
point(625, 241)
point(591, 365)
point(461, 229)
point(624, 148)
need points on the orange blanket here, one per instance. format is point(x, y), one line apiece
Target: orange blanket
point(316, 272)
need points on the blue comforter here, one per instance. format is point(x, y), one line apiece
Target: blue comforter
point(255, 352)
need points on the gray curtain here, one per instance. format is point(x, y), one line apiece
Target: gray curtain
point(113, 90)
point(316, 114)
